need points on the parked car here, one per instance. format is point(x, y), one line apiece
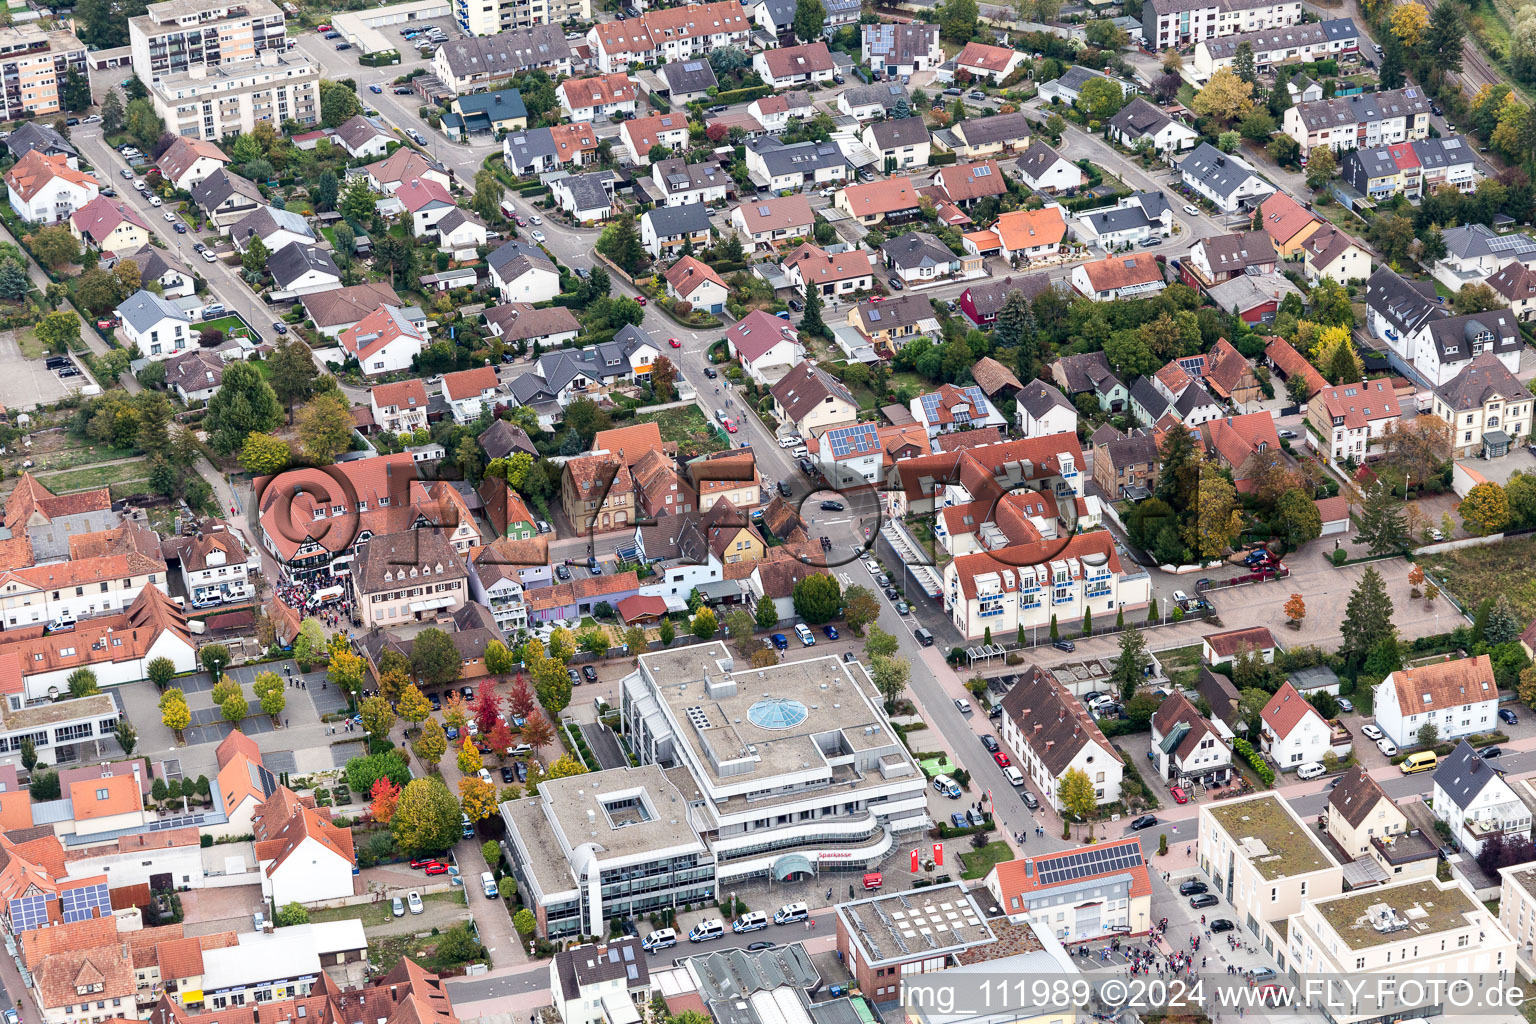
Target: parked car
point(1508, 717)
point(1345, 704)
point(832, 506)
point(830, 631)
point(1179, 796)
point(1001, 759)
point(1193, 887)
point(414, 898)
point(1029, 800)
point(589, 673)
point(1205, 899)
point(1372, 732)
point(437, 868)
point(895, 283)
point(1221, 924)
point(1491, 752)
point(1064, 645)
point(990, 743)
point(574, 676)
point(962, 705)
point(397, 907)
point(1145, 821)
point(1387, 747)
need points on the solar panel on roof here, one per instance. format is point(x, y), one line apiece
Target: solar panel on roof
point(874, 315)
point(28, 913)
point(83, 903)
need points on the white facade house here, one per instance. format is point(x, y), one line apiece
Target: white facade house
point(1459, 697)
point(216, 568)
point(469, 391)
point(1042, 409)
point(1049, 733)
point(600, 984)
point(1184, 22)
point(159, 328)
point(1226, 180)
point(1045, 170)
point(1473, 798)
point(1293, 732)
point(384, 341)
point(522, 273)
point(765, 345)
point(46, 190)
point(1187, 748)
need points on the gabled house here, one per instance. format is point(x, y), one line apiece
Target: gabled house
point(1127, 467)
point(1473, 798)
point(989, 136)
point(1222, 178)
point(783, 66)
point(901, 48)
point(1134, 219)
point(918, 257)
point(157, 326)
point(642, 134)
point(1029, 234)
point(1139, 122)
point(1222, 257)
point(779, 167)
point(1119, 277)
point(1360, 812)
point(1459, 697)
point(405, 165)
point(988, 63)
point(1045, 170)
point(460, 233)
point(189, 160)
point(299, 269)
point(664, 230)
point(1330, 253)
point(515, 322)
point(226, 198)
point(1088, 373)
point(813, 401)
point(303, 856)
point(1516, 284)
point(1042, 409)
point(773, 223)
point(683, 184)
point(1443, 346)
point(427, 202)
point(195, 376)
point(275, 228)
point(1050, 733)
point(1187, 749)
point(1292, 731)
point(507, 511)
point(363, 138)
point(489, 112)
point(175, 277)
point(46, 189)
point(588, 198)
point(982, 301)
point(1245, 445)
point(468, 63)
point(1352, 418)
point(34, 135)
point(691, 281)
point(967, 184)
point(952, 408)
point(336, 310)
point(1287, 223)
point(811, 268)
point(586, 99)
point(109, 225)
point(767, 347)
point(898, 144)
point(470, 392)
point(401, 406)
point(523, 273)
point(384, 341)
point(889, 325)
point(894, 199)
point(1287, 362)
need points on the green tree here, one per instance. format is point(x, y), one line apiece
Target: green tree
point(1297, 518)
point(255, 258)
point(413, 705)
point(860, 608)
point(704, 624)
point(1485, 509)
point(161, 671)
point(112, 117)
point(55, 247)
point(338, 102)
point(890, 677)
point(1243, 65)
point(957, 19)
point(29, 755)
point(1502, 625)
point(1322, 164)
point(82, 683)
point(817, 598)
point(244, 404)
point(215, 659)
point(14, 284)
point(1131, 664)
point(357, 202)
point(293, 371)
point(766, 614)
point(327, 191)
point(1380, 524)
point(620, 242)
point(488, 193)
point(811, 322)
point(290, 914)
point(325, 427)
point(1367, 617)
point(435, 659)
point(1100, 98)
point(127, 736)
point(426, 819)
point(432, 744)
point(1443, 43)
point(59, 331)
point(880, 644)
point(264, 455)
point(235, 708)
point(1429, 734)
point(1077, 797)
point(144, 124)
point(810, 16)
point(378, 717)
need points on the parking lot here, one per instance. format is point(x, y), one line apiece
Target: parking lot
point(27, 383)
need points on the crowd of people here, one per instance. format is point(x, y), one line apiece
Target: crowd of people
point(321, 597)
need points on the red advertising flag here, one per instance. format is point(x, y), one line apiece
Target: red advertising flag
point(938, 854)
point(914, 861)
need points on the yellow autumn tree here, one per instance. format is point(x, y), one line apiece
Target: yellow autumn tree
point(1331, 351)
point(1506, 134)
point(1409, 23)
point(1218, 519)
point(478, 797)
point(1225, 97)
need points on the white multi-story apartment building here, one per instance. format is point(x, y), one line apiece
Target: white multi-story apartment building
point(1262, 859)
point(172, 37)
point(1321, 40)
point(1423, 928)
point(793, 766)
point(211, 102)
point(1049, 733)
point(1365, 121)
point(33, 64)
point(1182, 22)
point(489, 17)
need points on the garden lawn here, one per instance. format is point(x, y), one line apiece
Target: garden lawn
point(26, 340)
point(227, 324)
point(1502, 568)
point(686, 426)
point(93, 476)
point(978, 862)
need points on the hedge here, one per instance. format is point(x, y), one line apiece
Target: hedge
point(940, 159)
point(660, 105)
point(746, 95)
point(1255, 761)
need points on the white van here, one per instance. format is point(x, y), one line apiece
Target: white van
point(662, 938)
point(488, 883)
point(753, 921)
point(790, 913)
point(707, 929)
point(946, 785)
point(65, 621)
point(1012, 775)
point(1311, 770)
point(807, 639)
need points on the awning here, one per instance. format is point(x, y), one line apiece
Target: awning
point(427, 606)
point(791, 864)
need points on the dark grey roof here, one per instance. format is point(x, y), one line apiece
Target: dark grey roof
point(675, 221)
point(903, 131)
point(1038, 159)
point(515, 258)
point(1362, 109)
point(1403, 304)
point(501, 439)
point(1039, 398)
point(1222, 697)
point(1370, 163)
point(1154, 204)
point(293, 260)
point(898, 43)
point(506, 53)
point(455, 217)
point(1239, 250)
point(1221, 172)
point(1463, 775)
point(602, 362)
point(32, 135)
point(988, 298)
point(630, 337)
point(800, 158)
point(220, 186)
point(1447, 151)
point(1077, 76)
point(529, 388)
point(156, 263)
point(1455, 337)
point(985, 131)
point(1082, 370)
point(530, 146)
point(689, 76)
point(1473, 241)
point(1289, 38)
point(1138, 118)
point(590, 191)
point(1192, 398)
point(917, 249)
point(1134, 450)
point(680, 175)
point(884, 93)
point(1144, 394)
point(1121, 218)
point(805, 387)
point(618, 960)
point(780, 12)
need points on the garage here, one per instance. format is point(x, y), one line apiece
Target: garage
point(1335, 515)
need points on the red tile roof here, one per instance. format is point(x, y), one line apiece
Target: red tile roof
point(1286, 710)
point(1017, 879)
